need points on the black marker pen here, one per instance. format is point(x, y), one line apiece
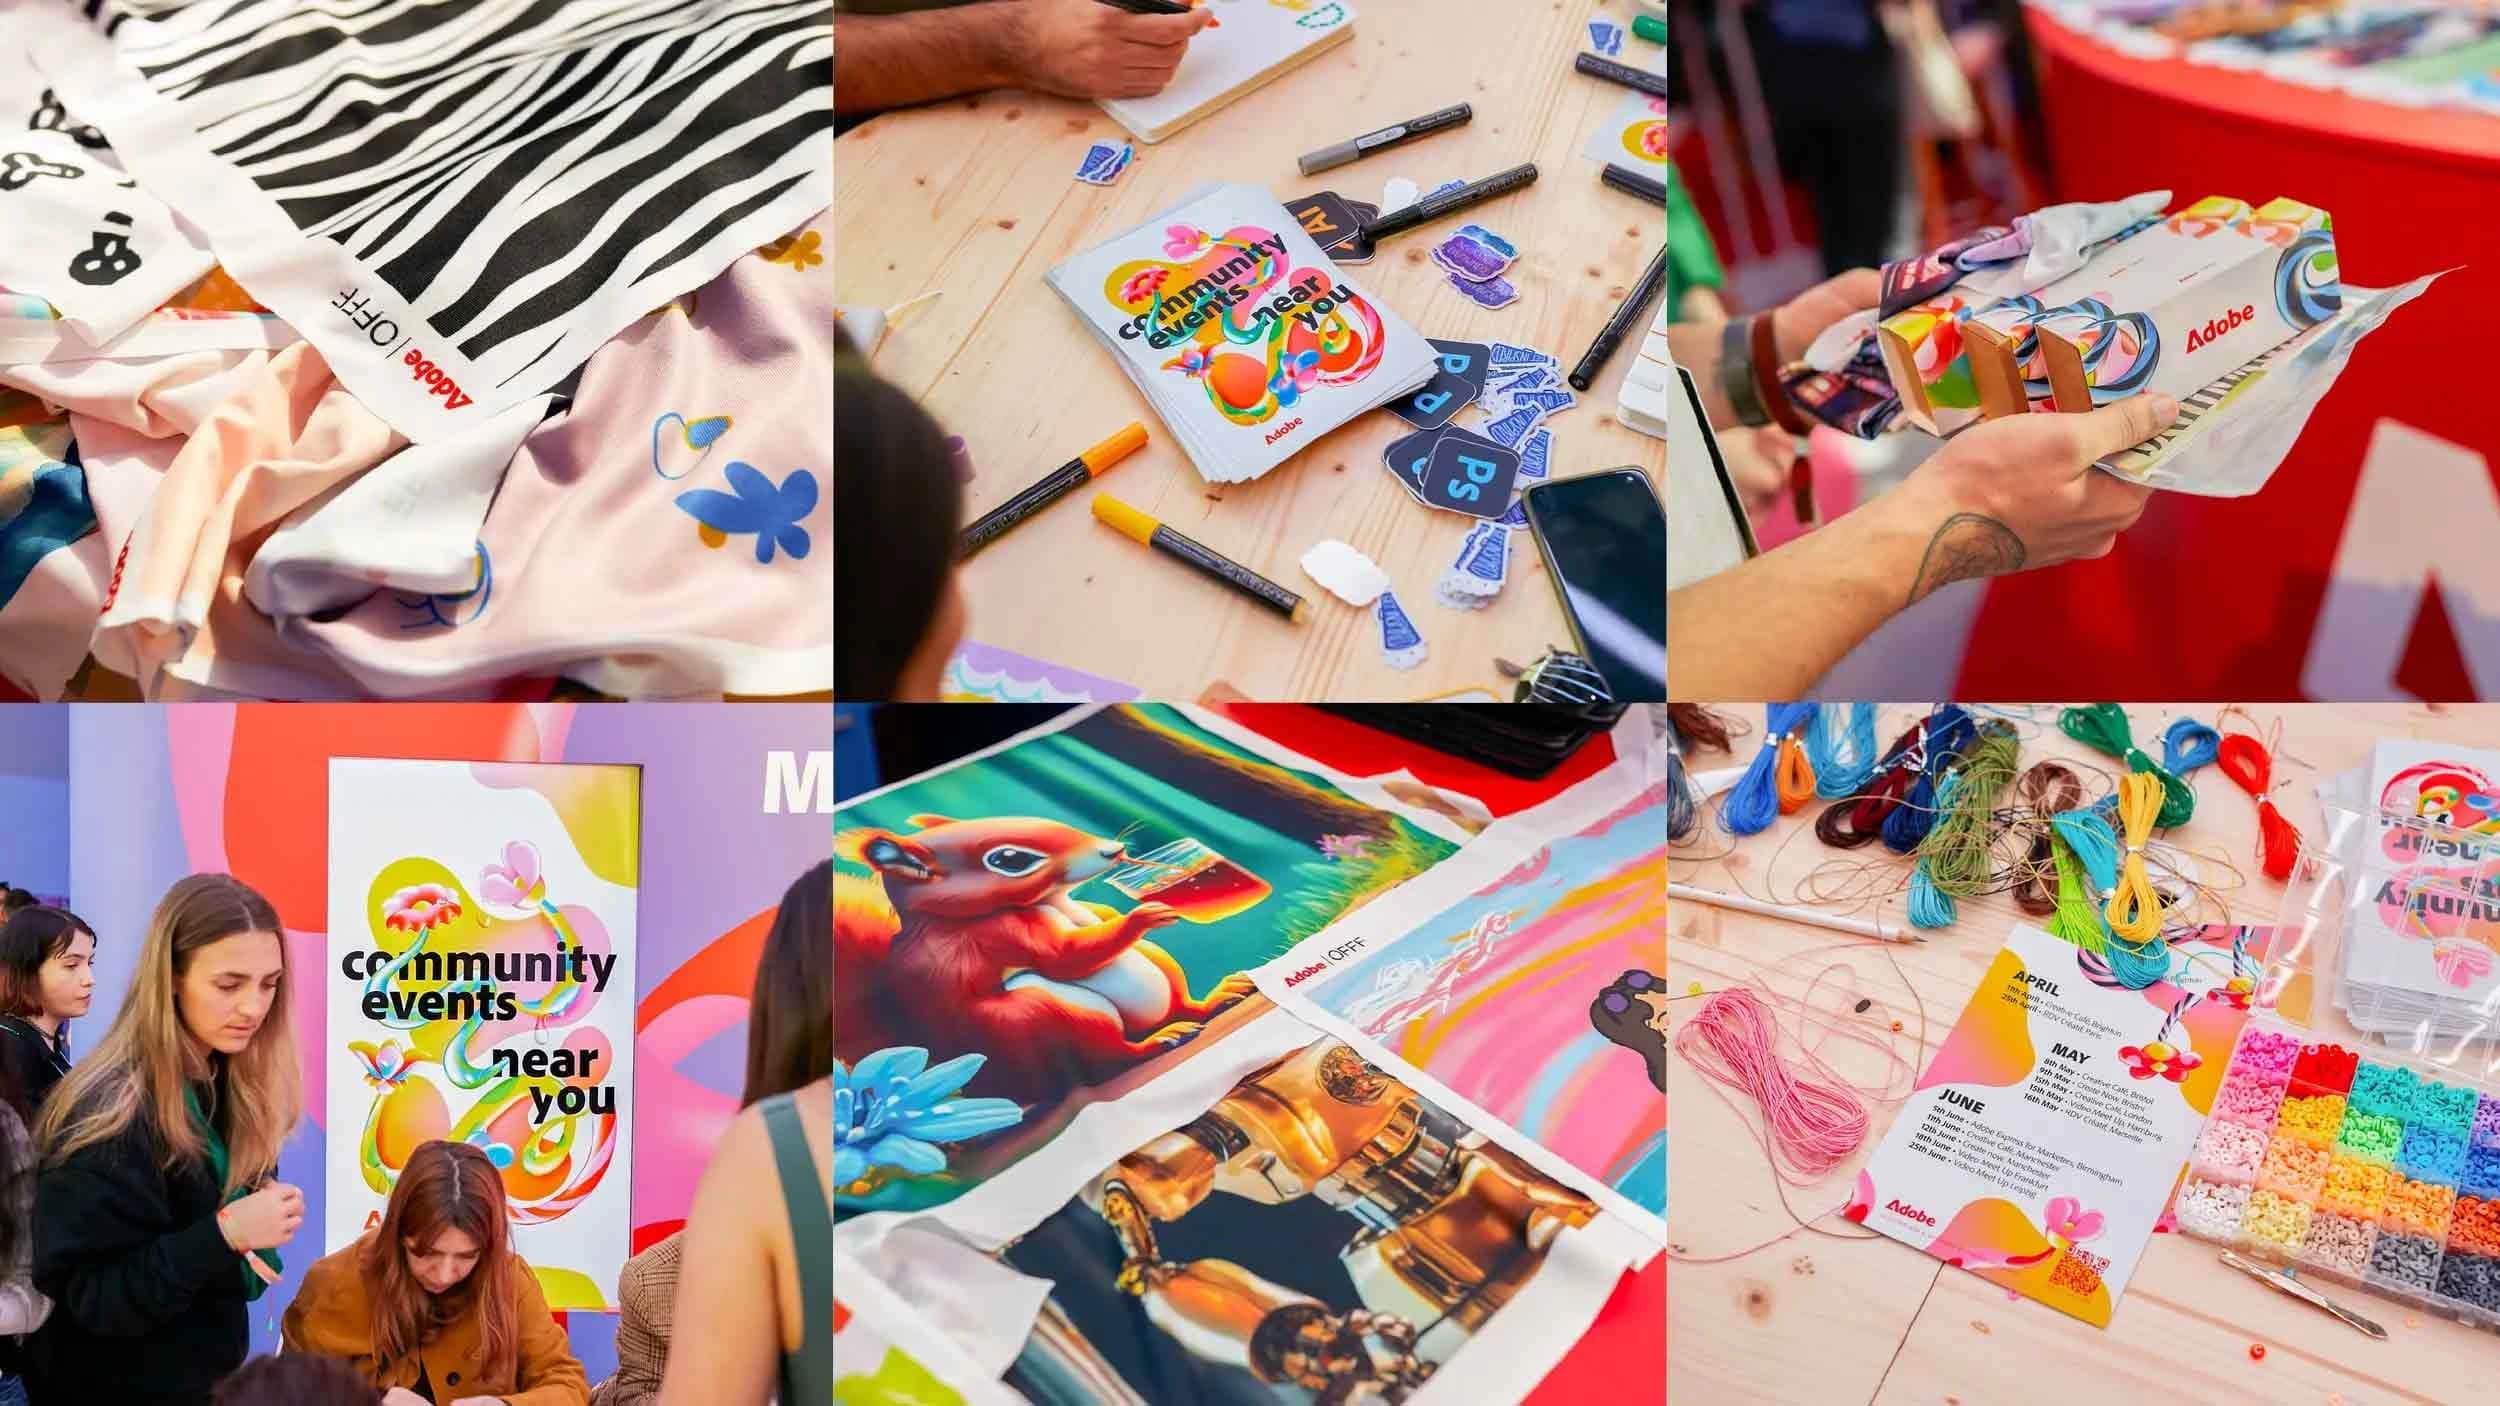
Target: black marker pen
point(1433, 207)
point(1328, 158)
point(1654, 84)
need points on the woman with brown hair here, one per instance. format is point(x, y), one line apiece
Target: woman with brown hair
point(47, 980)
point(159, 1218)
point(755, 1293)
point(432, 1305)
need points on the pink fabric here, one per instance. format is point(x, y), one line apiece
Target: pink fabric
point(281, 439)
point(592, 565)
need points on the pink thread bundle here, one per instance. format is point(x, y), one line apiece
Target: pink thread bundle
point(1812, 1120)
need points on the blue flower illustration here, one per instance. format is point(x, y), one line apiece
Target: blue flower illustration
point(772, 514)
point(896, 1107)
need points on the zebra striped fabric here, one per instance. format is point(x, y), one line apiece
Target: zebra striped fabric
point(512, 181)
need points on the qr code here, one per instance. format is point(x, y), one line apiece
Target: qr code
point(2074, 1272)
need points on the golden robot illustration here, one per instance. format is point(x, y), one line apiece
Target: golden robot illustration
point(1448, 1226)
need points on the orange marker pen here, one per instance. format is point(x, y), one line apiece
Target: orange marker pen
point(1055, 485)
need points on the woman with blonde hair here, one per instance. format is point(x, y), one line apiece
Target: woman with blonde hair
point(159, 1216)
point(432, 1305)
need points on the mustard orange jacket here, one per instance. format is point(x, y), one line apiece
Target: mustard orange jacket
point(333, 1316)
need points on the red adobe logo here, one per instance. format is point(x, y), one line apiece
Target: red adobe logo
point(2235, 318)
point(1907, 1211)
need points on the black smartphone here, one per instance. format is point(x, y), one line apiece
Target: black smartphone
point(1148, 7)
point(1604, 539)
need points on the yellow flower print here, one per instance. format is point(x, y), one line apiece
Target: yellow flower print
point(799, 251)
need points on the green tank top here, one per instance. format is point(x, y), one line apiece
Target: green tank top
point(807, 1374)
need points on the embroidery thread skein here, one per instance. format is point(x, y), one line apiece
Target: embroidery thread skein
point(1931, 906)
point(1683, 807)
point(2188, 744)
point(1916, 814)
point(1956, 853)
point(1697, 727)
point(1842, 764)
point(1812, 1121)
point(2077, 913)
point(2087, 853)
point(1847, 824)
point(2134, 910)
point(2040, 792)
point(2103, 728)
point(2250, 765)
point(1779, 780)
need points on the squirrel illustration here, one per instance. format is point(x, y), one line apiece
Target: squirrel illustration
point(967, 941)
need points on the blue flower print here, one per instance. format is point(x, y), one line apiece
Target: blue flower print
point(772, 514)
point(895, 1108)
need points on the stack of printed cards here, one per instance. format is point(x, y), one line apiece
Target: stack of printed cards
point(1459, 470)
point(1247, 341)
point(2422, 921)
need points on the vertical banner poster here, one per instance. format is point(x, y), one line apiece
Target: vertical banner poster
point(481, 990)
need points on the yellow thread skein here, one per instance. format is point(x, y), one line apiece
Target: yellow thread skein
point(2134, 910)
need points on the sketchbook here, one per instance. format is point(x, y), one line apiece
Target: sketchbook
point(1248, 343)
point(1251, 44)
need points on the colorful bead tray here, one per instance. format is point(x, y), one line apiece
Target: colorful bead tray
point(2358, 1170)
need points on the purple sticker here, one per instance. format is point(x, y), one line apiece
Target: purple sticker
point(1462, 257)
point(1492, 293)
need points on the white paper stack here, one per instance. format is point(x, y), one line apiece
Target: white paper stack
point(1249, 344)
point(1641, 402)
point(2421, 934)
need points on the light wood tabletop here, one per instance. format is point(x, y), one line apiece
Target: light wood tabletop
point(1830, 1320)
point(977, 197)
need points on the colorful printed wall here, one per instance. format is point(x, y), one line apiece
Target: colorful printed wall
point(34, 799)
point(156, 792)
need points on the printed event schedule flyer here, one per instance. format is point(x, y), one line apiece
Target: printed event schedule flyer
point(2043, 1143)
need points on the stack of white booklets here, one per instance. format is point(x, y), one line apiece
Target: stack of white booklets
point(2422, 915)
point(1249, 344)
point(1641, 403)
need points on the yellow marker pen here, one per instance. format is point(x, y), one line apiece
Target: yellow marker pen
point(1136, 524)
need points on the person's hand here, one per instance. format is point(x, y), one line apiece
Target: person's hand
point(402, 1396)
point(265, 1219)
point(1757, 462)
point(2021, 492)
point(1796, 323)
point(464, 1400)
point(1086, 49)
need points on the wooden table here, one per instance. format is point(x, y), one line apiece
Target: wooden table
point(1828, 1320)
point(977, 197)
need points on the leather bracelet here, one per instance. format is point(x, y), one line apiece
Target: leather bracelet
point(1767, 387)
point(1736, 373)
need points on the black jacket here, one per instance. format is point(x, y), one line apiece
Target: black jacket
point(148, 1306)
point(29, 1063)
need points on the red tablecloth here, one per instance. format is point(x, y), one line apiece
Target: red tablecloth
point(1622, 1361)
point(2224, 598)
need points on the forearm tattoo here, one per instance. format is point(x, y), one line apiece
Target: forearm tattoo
point(1966, 547)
